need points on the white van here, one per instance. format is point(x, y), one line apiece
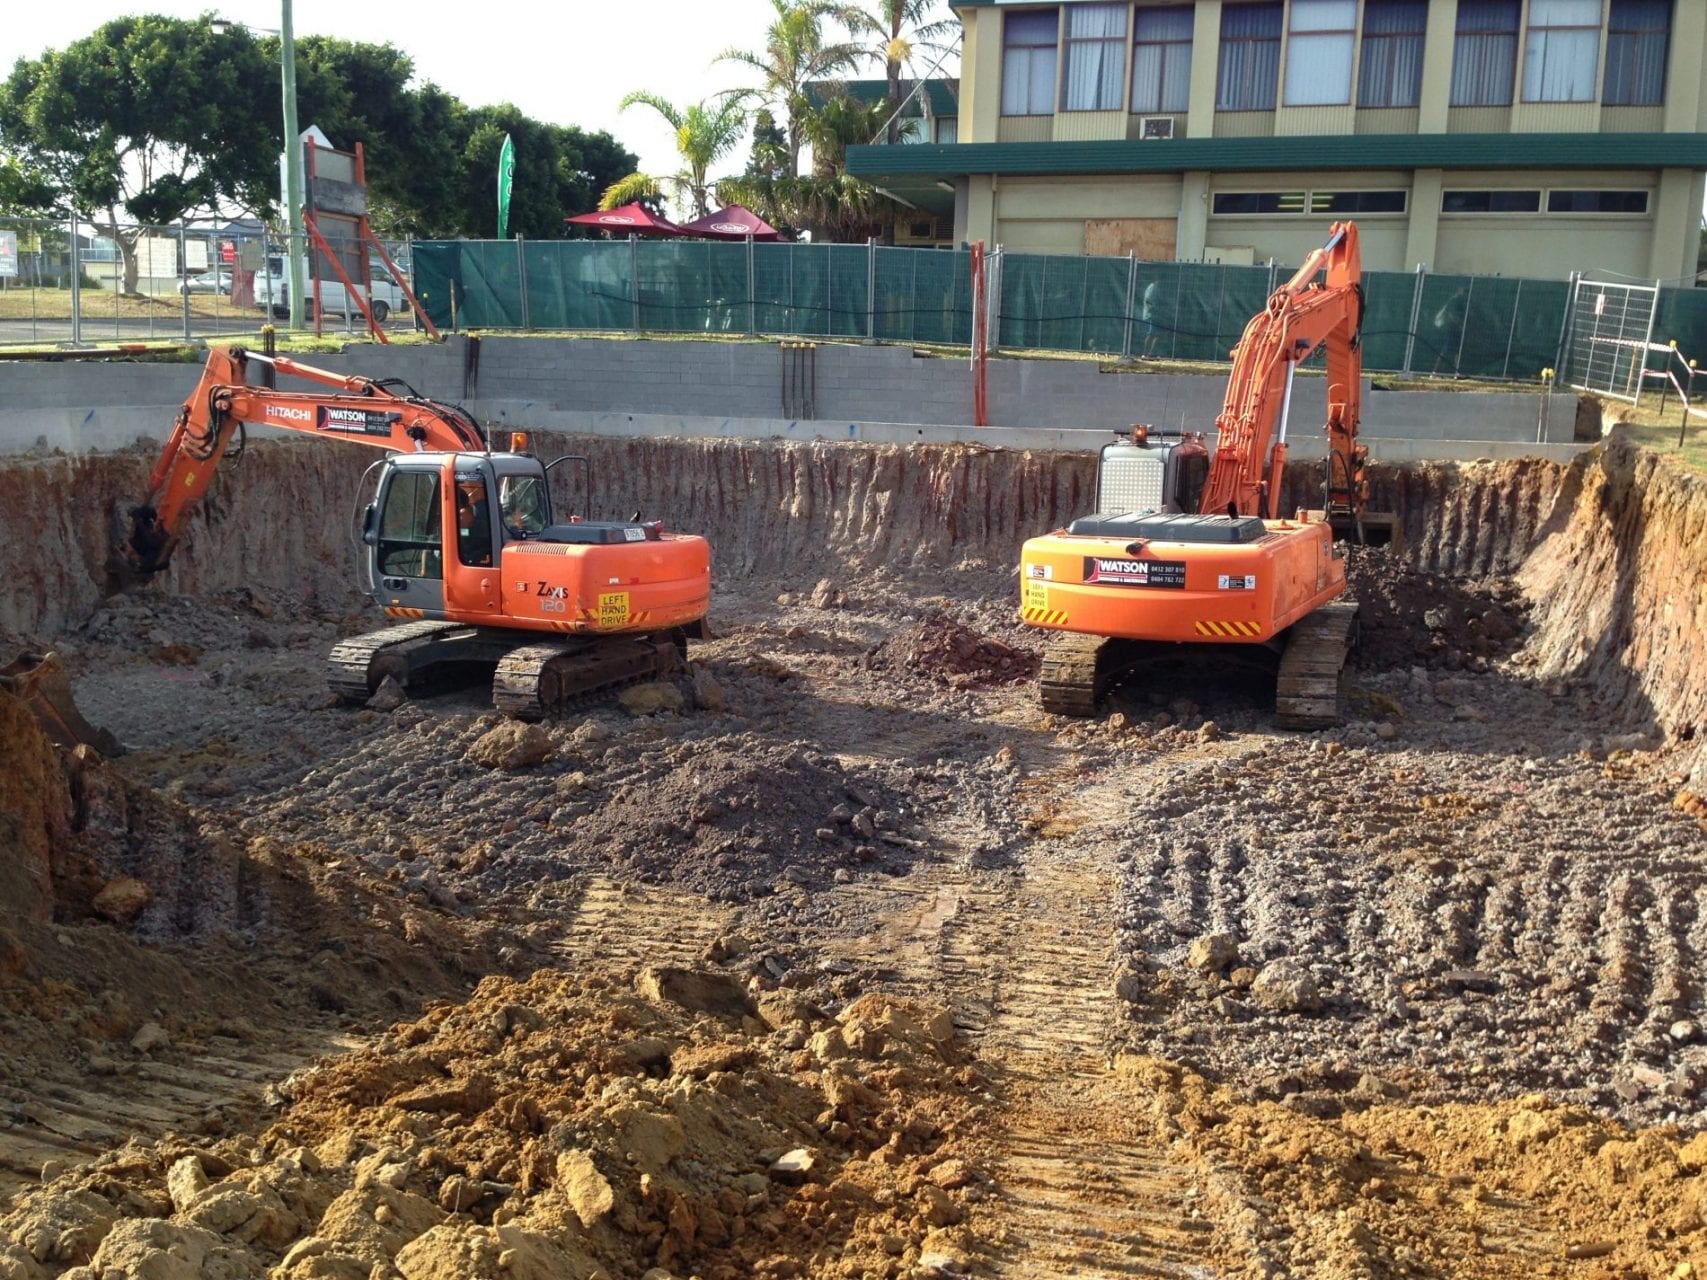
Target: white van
point(272, 293)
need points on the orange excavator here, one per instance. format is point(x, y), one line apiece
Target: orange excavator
point(459, 542)
point(1188, 550)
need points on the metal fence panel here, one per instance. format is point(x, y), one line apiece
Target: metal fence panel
point(1606, 347)
point(1421, 323)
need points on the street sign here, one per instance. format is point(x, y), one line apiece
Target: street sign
point(8, 253)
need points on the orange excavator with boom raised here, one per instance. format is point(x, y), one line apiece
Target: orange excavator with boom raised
point(459, 543)
point(1187, 554)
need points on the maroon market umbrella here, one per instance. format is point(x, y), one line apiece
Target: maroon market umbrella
point(737, 222)
point(625, 220)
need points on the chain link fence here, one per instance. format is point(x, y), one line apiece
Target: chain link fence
point(1489, 327)
point(76, 282)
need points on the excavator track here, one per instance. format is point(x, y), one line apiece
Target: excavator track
point(1070, 677)
point(359, 665)
point(536, 679)
point(531, 680)
point(1310, 688)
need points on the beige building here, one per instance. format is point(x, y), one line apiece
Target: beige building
point(1511, 137)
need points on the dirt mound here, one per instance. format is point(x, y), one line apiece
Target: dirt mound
point(1411, 617)
point(1520, 1188)
point(945, 650)
point(730, 815)
point(553, 1126)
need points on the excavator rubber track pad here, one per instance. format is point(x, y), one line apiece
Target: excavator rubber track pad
point(1069, 681)
point(537, 679)
point(1310, 689)
point(357, 666)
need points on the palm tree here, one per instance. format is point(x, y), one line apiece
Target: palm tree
point(895, 33)
point(794, 54)
point(705, 133)
point(829, 201)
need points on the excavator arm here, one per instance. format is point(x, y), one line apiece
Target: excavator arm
point(1302, 316)
point(357, 409)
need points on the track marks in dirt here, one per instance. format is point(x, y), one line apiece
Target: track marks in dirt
point(68, 1116)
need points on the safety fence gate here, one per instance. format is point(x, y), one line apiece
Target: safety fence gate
point(1609, 332)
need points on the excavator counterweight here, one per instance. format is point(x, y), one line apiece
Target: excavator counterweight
point(1189, 555)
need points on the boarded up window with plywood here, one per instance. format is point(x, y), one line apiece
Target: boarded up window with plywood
point(1149, 238)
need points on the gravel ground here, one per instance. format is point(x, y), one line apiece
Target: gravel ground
point(1488, 892)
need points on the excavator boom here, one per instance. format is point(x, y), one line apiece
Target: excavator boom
point(357, 409)
point(1302, 316)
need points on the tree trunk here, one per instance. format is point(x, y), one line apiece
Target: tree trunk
point(127, 254)
point(793, 146)
point(893, 69)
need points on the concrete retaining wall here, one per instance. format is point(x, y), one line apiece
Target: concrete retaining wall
point(647, 387)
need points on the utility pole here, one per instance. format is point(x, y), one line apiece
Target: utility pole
point(293, 171)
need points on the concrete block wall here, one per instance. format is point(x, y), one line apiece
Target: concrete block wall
point(83, 406)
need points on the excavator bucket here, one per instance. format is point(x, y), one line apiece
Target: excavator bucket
point(41, 683)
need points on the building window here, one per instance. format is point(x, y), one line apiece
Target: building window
point(1028, 63)
point(1161, 60)
point(1250, 57)
point(1246, 203)
point(1490, 202)
point(1096, 57)
point(1562, 53)
point(1318, 57)
point(1484, 56)
point(947, 129)
point(1390, 73)
point(1357, 201)
point(1636, 46)
point(1597, 202)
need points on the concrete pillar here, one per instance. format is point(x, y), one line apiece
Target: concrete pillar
point(981, 75)
point(980, 208)
point(1192, 234)
point(962, 187)
point(1424, 227)
point(1686, 104)
point(1437, 66)
point(1205, 71)
point(1677, 212)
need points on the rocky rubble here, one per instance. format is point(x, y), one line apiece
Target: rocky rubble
point(560, 1126)
point(940, 648)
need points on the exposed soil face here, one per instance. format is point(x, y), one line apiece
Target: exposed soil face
point(1168, 992)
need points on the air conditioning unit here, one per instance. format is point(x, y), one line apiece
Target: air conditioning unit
point(1156, 127)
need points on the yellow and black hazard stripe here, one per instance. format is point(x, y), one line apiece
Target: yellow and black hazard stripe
point(1230, 630)
point(398, 611)
point(1044, 617)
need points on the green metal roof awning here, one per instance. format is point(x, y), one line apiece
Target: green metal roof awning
point(914, 166)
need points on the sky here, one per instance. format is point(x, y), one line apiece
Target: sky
point(568, 62)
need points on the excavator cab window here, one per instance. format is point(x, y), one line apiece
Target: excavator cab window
point(526, 507)
point(473, 522)
point(411, 544)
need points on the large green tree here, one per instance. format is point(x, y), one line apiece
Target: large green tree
point(795, 53)
point(148, 120)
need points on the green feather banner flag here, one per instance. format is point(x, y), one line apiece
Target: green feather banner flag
point(506, 172)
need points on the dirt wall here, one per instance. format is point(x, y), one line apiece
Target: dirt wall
point(1610, 546)
point(277, 519)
